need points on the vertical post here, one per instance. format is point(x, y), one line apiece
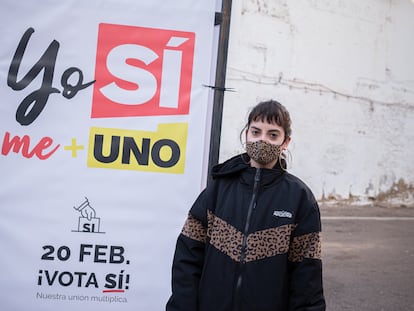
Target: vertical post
point(220, 80)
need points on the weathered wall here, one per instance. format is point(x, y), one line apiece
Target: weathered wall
point(345, 71)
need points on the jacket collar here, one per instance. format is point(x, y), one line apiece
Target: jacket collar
point(239, 166)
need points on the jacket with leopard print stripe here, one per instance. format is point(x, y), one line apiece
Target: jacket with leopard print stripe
point(275, 265)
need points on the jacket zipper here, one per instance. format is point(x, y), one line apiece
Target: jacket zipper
point(252, 206)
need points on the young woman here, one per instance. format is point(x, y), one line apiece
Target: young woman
point(252, 238)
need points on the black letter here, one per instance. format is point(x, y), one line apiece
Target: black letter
point(130, 145)
point(33, 104)
point(175, 153)
point(98, 149)
point(68, 90)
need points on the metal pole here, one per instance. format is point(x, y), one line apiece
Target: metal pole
point(224, 20)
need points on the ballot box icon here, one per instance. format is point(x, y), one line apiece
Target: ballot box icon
point(86, 225)
point(88, 222)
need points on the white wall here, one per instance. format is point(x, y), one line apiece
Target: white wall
point(345, 71)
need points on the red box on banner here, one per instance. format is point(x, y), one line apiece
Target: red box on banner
point(142, 72)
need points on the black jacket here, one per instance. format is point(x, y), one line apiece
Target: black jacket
point(251, 242)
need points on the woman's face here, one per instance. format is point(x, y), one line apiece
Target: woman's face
point(268, 132)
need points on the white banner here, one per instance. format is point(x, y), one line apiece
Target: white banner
point(103, 118)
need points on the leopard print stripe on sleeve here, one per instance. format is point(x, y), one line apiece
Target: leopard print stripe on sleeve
point(194, 229)
point(268, 243)
point(224, 237)
point(305, 246)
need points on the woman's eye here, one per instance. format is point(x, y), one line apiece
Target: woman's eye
point(273, 136)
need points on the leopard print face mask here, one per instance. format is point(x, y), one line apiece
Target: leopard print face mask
point(263, 152)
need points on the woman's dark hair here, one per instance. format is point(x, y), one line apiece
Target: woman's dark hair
point(270, 111)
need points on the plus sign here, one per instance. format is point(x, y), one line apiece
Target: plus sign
point(74, 148)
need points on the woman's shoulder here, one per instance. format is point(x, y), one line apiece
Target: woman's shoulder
point(230, 167)
point(295, 180)
point(297, 184)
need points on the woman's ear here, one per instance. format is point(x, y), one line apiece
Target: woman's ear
point(286, 143)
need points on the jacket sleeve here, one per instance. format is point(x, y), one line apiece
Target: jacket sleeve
point(305, 265)
point(189, 259)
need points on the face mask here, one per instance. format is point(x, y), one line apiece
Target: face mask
point(263, 152)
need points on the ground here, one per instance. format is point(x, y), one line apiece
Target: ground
point(368, 256)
